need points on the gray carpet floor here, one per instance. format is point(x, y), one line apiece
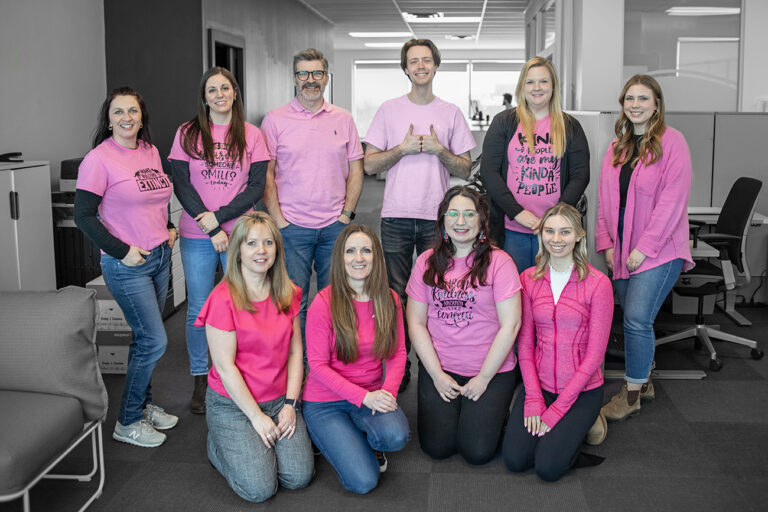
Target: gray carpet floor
point(701, 446)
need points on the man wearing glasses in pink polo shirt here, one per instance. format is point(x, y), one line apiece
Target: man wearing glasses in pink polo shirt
point(315, 173)
point(418, 140)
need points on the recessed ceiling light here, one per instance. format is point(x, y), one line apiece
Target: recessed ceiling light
point(703, 11)
point(463, 37)
point(384, 45)
point(380, 34)
point(438, 17)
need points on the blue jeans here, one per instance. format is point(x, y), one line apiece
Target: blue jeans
point(303, 246)
point(236, 450)
point(399, 237)
point(140, 292)
point(641, 297)
point(347, 435)
point(522, 247)
point(200, 261)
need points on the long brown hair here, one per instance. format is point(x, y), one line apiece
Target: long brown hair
point(556, 117)
point(197, 140)
point(281, 289)
point(441, 259)
point(376, 286)
point(103, 131)
point(580, 262)
point(649, 150)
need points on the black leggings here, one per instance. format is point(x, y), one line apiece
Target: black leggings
point(471, 429)
point(553, 454)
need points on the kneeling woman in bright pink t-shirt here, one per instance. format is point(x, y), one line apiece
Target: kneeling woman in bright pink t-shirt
point(463, 316)
point(256, 436)
point(356, 354)
point(567, 314)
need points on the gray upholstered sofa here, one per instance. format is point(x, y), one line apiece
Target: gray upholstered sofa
point(52, 396)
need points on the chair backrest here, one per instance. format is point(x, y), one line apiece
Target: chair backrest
point(736, 215)
point(47, 345)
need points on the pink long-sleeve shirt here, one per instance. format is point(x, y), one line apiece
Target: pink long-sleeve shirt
point(331, 380)
point(656, 214)
point(561, 346)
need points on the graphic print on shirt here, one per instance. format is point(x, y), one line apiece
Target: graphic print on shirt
point(224, 171)
point(454, 305)
point(151, 179)
point(538, 174)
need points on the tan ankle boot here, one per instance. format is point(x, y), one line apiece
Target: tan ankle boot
point(647, 393)
point(619, 409)
point(598, 432)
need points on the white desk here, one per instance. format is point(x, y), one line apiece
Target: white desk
point(709, 214)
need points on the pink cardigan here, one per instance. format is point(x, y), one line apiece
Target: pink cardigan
point(561, 346)
point(656, 214)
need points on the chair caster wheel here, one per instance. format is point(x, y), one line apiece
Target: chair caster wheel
point(715, 365)
point(756, 353)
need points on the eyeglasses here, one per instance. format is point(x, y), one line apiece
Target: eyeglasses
point(318, 74)
point(468, 214)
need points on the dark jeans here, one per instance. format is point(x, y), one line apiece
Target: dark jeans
point(471, 429)
point(399, 237)
point(553, 454)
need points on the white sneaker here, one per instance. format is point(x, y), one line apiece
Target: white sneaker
point(140, 433)
point(160, 419)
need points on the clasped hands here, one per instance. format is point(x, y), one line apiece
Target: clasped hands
point(269, 432)
point(207, 222)
point(413, 144)
point(535, 426)
point(448, 389)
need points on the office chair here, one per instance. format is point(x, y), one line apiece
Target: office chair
point(730, 238)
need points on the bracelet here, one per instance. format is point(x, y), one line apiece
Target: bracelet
point(291, 401)
point(348, 213)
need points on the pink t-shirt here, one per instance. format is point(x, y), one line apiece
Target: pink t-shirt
point(533, 179)
point(312, 154)
point(417, 183)
point(463, 323)
point(329, 379)
point(134, 191)
point(217, 186)
point(263, 341)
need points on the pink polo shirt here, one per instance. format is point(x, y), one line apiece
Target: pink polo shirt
point(134, 191)
point(463, 323)
point(534, 180)
point(218, 185)
point(263, 341)
point(417, 183)
point(312, 152)
point(329, 379)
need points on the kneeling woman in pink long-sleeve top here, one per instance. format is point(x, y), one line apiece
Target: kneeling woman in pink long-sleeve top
point(567, 312)
point(356, 355)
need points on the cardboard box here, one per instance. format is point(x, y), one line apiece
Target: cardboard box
point(122, 337)
point(111, 317)
point(113, 358)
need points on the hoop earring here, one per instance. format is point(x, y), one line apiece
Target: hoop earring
point(110, 127)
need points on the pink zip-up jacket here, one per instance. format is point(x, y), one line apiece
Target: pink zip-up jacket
point(561, 346)
point(656, 214)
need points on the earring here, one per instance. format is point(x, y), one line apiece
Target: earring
point(445, 236)
point(481, 238)
point(110, 127)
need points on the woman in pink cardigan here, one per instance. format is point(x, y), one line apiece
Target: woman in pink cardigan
point(567, 313)
point(642, 227)
point(356, 355)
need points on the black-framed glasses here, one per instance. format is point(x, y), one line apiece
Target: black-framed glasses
point(318, 74)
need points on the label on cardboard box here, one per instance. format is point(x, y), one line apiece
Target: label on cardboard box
point(113, 359)
point(114, 337)
point(111, 317)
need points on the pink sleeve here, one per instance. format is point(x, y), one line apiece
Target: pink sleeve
point(671, 207)
point(461, 138)
point(603, 240)
point(506, 280)
point(600, 319)
point(396, 364)
point(177, 151)
point(320, 347)
point(92, 176)
point(416, 288)
point(259, 151)
point(354, 148)
point(534, 400)
point(218, 310)
point(269, 131)
point(377, 131)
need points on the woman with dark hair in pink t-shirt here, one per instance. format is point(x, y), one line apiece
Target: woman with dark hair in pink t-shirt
point(257, 438)
point(219, 165)
point(121, 203)
point(463, 316)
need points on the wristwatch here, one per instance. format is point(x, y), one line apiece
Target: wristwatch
point(348, 213)
point(291, 401)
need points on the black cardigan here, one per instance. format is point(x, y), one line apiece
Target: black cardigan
point(574, 168)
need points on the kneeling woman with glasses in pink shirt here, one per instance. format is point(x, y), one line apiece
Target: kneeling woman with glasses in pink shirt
point(463, 316)
point(567, 314)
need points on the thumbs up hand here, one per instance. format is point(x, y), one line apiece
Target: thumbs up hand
point(411, 143)
point(430, 144)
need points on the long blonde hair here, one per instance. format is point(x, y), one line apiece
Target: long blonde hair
point(556, 117)
point(281, 289)
point(649, 150)
point(580, 262)
point(376, 286)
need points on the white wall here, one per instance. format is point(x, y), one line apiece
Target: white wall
point(754, 78)
point(53, 77)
